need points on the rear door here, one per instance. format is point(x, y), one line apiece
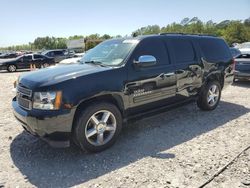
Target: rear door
point(148, 87)
point(187, 64)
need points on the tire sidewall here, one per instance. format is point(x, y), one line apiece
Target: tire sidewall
point(205, 94)
point(81, 123)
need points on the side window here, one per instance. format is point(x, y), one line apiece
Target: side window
point(27, 58)
point(183, 50)
point(154, 47)
point(50, 54)
point(58, 53)
point(215, 49)
point(38, 56)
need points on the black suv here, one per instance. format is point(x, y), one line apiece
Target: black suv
point(118, 80)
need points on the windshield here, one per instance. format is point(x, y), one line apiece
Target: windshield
point(110, 52)
point(44, 52)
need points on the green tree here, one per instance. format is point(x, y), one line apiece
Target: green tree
point(236, 32)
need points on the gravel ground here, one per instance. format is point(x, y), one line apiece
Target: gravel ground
point(183, 147)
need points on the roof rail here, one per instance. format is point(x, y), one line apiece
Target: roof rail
point(171, 33)
point(194, 34)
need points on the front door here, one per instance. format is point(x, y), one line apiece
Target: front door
point(152, 86)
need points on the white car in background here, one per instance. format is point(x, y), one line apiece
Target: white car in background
point(75, 59)
point(245, 48)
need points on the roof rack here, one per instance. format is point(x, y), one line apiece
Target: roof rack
point(188, 34)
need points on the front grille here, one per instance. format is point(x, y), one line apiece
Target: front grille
point(24, 91)
point(24, 97)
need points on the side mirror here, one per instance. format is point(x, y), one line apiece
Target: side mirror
point(145, 61)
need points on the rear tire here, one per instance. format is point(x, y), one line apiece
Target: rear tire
point(97, 127)
point(210, 96)
point(11, 68)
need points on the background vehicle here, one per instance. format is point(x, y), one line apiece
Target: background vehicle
point(245, 48)
point(58, 55)
point(75, 59)
point(121, 79)
point(242, 67)
point(8, 55)
point(23, 62)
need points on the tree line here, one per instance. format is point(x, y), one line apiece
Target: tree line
point(233, 31)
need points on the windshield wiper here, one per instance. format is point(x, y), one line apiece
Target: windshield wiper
point(95, 63)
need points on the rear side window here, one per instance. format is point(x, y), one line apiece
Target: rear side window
point(154, 47)
point(215, 49)
point(183, 50)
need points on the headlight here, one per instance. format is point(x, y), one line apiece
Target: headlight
point(47, 100)
point(16, 82)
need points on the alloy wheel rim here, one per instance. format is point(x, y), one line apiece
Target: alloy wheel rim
point(12, 68)
point(213, 95)
point(100, 128)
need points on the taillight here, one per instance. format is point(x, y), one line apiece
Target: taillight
point(234, 63)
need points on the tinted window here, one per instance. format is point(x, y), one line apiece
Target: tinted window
point(49, 54)
point(57, 53)
point(27, 58)
point(154, 47)
point(38, 56)
point(183, 50)
point(215, 49)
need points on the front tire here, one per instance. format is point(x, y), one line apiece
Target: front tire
point(210, 96)
point(97, 127)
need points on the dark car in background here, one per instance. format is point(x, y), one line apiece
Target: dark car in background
point(24, 62)
point(58, 55)
point(118, 80)
point(242, 67)
point(8, 55)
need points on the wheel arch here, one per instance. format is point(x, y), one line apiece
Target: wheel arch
point(7, 66)
point(218, 76)
point(109, 98)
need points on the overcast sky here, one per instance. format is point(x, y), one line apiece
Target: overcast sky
point(24, 20)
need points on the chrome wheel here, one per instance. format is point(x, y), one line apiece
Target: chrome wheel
point(100, 128)
point(12, 68)
point(213, 95)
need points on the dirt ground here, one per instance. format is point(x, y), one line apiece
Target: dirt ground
point(182, 147)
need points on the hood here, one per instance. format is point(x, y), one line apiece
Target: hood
point(57, 74)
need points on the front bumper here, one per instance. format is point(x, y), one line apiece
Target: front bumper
point(52, 126)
